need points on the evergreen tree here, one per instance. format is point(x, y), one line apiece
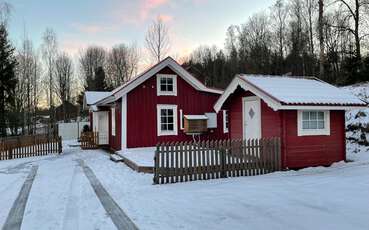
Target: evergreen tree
point(8, 79)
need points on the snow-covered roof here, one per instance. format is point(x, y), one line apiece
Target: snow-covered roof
point(196, 117)
point(91, 97)
point(282, 92)
point(290, 90)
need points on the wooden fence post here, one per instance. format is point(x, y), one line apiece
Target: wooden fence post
point(156, 165)
point(10, 153)
point(223, 173)
point(60, 145)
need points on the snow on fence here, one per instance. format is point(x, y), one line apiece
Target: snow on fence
point(188, 161)
point(89, 140)
point(29, 146)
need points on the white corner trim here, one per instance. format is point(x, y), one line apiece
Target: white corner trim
point(181, 125)
point(113, 121)
point(314, 132)
point(166, 93)
point(124, 122)
point(175, 120)
point(225, 129)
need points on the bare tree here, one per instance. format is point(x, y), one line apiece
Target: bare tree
point(310, 8)
point(355, 10)
point(5, 11)
point(157, 40)
point(64, 74)
point(279, 19)
point(121, 64)
point(321, 38)
point(49, 53)
point(90, 60)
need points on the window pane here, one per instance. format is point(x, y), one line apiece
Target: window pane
point(320, 124)
point(163, 81)
point(170, 120)
point(320, 115)
point(164, 120)
point(163, 112)
point(169, 81)
point(305, 125)
point(305, 116)
point(164, 127)
point(170, 127)
point(312, 115)
point(170, 112)
point(313, 124)
point(163, 88)
point(170, 88)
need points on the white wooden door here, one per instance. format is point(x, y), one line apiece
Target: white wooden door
point(103, 128)
point(251, 118)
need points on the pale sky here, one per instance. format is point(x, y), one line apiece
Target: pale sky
point(79, 23)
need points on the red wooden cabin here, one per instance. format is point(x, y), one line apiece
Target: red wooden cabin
point(151, 108)
point(307, 114)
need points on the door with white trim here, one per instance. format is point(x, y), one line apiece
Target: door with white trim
point(103, 128)
point(251, 118)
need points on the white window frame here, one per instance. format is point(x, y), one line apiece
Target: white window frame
point(113, 125)
point(175, 120)
point(225, 118)
point(181, 121)
point(166, 93)
point(314, 132)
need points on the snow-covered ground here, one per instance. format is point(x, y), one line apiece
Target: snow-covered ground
point(141, 156)
point(313, 198)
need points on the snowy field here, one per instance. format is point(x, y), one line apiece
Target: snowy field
point(313, 198)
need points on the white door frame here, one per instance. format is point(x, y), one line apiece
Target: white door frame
point(103, 137)
point(258, 113)
point(124, 123)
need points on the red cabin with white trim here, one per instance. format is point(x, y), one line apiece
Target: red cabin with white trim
point(307, 114)
point(151, 107)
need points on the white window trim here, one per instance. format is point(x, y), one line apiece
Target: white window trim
point(314, 132)
point(225, 129)
point(175, 119)
point(113, 125)
point(181, 125)
point(165, 93)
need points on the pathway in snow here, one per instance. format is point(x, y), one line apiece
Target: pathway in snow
point(15, 216)
point(120, 219)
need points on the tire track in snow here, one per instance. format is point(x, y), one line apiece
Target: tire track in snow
point(15, 216)
point(71, 218)
point(117, 215)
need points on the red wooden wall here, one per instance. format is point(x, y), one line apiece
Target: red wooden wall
point(297, 151)
point(115, 141)
point(142, 111)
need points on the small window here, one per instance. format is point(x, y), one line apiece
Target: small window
point(166, 85)
point(113, 121)
point(313, 123)
point(225, 121)
point(167, 120)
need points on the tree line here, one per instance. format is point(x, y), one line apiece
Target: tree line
point(323, 38)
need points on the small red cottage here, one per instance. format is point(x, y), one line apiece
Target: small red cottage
point(306, 113)
point(154, 107)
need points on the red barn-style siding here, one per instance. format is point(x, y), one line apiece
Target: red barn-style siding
point(297, 151)
point(142, 111)
point(306, 151)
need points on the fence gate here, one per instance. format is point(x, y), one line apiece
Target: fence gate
point(188, 161)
